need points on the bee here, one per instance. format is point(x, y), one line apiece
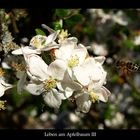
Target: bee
point(127, 67)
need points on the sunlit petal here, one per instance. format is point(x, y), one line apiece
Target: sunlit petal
point(52, 98)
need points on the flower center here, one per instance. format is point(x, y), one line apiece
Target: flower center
point(73, 61)
point(49, 83)
point(94, 97)
point(1, 72)
point(37, 41)
point(63, 34)
point(2, 105)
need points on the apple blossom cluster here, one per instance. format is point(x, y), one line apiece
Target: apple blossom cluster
point(71, 74)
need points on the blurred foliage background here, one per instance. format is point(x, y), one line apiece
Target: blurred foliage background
point(114, 33)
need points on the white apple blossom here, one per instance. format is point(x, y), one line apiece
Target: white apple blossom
point(91, 72)
point(71, 54)
point(48, 83)
point(86, 97)
point(39, 43)
point(72, 73)
point(45, 79)
point(92, 76)
point(44, 43)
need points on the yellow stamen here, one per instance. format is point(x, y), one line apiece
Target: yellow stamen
point(1, 72)
point(63, 34)
point(94, 97)
point(73, 61)
point(49, 83)
point(37, 41)
point(2, 105)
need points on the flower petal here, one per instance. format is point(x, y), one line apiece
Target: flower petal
point(52, 98)
point(66, 48)
point(100, 59)
point(103, 94)
point(81, 52)
point(27, 50)
point(81, 75)
point(36, 66)
point(83, 103)
point(68, 85)
point(57, 69)
point(4, 86)
point(34, 88)
point(52, 37)
point(2, 90)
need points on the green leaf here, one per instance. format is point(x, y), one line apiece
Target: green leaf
point(77, 18)
point(39, 31)
point(57, 25)
point(74, 20)
point(61, 13)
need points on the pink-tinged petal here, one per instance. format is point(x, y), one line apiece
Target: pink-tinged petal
point(52, 98)
point(57, 69)
point(83, 103)
point(103, 94)
point(34, 88)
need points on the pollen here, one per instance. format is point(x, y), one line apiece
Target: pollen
point(1, 72)
point(94, 97)
point(37, 42)
point(73, 61)
point(49, 84)
point(63, 34)
point(2, 105)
